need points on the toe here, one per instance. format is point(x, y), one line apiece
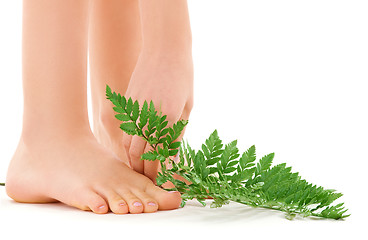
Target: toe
point(117, 203)
point(96, 203)
point(149, 203)
point(166, 200)
point(134, 203)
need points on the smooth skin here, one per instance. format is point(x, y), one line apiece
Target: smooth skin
point(137, 49)
point(149, 59)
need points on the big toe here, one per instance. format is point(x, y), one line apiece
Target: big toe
point(166, 200)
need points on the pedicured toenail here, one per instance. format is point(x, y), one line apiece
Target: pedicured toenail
point(151, 204)
point(102, 206)
point(137, 204)
point(173, 192)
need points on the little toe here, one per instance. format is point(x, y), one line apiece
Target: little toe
point(166, 200)
point(134, 203)
point(96, 203)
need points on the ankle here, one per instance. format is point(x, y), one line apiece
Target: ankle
point(32, 136)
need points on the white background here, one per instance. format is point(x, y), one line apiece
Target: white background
point(287, 76)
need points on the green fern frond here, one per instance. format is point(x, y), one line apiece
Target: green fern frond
point(220, 171)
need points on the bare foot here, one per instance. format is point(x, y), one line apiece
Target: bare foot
point(168, 81)
point(79, 172)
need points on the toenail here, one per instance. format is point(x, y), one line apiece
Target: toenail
point(173, 192)
point(137, 204)
point(102, 206)
point(122, 204)
point(151, 204)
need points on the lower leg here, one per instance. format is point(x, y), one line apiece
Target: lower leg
point(58, 158)
point(54, 83)
point(163, 73)
point(114, 46)
point(54, 67)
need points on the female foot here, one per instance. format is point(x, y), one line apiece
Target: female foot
point(81, 173)
point(168, 82)
point(156, 39)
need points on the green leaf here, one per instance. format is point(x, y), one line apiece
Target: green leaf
point(143, 117)
point(161, 158)
point(165, 152)
point(152, 140)
point(212, 169)
point(264, 163)
point(129, 128)
point(171, 132)
point(151, 156)
point(152, 109)
point(229, 152)
point(164, 124)
point(122, 101)
point(152, 121)
point(174, 145)
point(160, 179)
point(229, 169)
point(135, 111)
point(246, 174)
point(199, 162)
point(206, 151)
point(129, 106)
point(232, 163)
point(212, 161)
point(163, 118)
point(119, 109)
point(164, 132)
point(108, 92)
point(248, 157)
point(122, 117)
point(144, 111)
point(216, 153)
point(173, 152)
